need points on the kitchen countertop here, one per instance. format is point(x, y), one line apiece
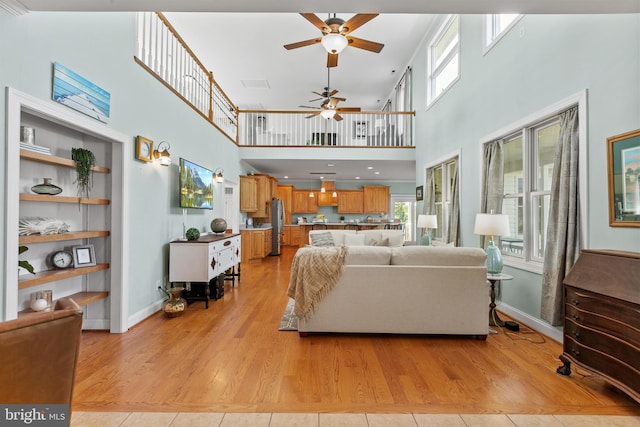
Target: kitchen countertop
point(262, 227)
point(350, 223)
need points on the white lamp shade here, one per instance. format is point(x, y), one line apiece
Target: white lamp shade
point(328, 114)
point(334, 43)
point(491, 224)
point(427, 221)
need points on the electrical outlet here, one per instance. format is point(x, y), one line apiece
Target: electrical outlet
point(158, 284)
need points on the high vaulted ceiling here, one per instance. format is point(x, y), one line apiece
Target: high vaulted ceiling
point(242, 44)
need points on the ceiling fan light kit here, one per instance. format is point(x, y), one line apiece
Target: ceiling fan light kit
point(336, 35)
point(334, 43)
point(328, 114)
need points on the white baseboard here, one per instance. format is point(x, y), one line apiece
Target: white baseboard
point(553, 332)
point(95, 324)
point(138, 317)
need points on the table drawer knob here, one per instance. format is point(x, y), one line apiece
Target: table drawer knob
point(575, 301)
point(576, 352)
point(576, 334)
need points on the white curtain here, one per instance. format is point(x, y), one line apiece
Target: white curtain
point(563, 229)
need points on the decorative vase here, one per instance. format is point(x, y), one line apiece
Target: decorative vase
point(219, 225)
point(46, 188)
point(175, 305)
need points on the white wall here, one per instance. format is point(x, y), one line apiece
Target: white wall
point(100, 48)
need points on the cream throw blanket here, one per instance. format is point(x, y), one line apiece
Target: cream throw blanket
point(314, 272)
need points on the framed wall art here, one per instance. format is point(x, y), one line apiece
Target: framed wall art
point(419, 193)
point(623, 163)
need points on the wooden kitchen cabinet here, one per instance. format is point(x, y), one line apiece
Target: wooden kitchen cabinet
point(266, 189)
point(350, 201)
point(291, 236)
point(326, 198)
point(256, 243)
point(248, 194)
point(375, 199)
point(302, 203)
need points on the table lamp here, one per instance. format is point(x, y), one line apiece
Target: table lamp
point(492, 225)
point(427, 222)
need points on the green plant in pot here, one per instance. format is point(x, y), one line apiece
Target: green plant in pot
point(25, 264)
point(84, 160)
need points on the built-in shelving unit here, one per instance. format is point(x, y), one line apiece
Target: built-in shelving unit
point(97, 220)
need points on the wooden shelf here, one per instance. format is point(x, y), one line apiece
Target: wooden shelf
point(25, 197)
point(26, 281)
point(55, 160)
point(86, 298)
point(80, 298)
point(73, 235)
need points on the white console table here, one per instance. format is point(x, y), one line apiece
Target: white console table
point(203, 261)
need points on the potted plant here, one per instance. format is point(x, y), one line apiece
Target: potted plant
point(25, 264)
point(341, 218)
point(84, 160)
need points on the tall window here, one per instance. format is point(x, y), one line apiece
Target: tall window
point(443, 58)
point(496, 26)
point(443, 190)
point(528, 166)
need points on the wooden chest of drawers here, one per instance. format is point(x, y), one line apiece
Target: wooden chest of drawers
point(602, 318)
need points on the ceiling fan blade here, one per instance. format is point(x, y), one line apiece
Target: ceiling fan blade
point(312, 115)
point(348, 109)
point(302, 44)
point(365, 44)
point(338, 98)
point(332, 60)
point(317, 22)
point(306, 106)
point(337, 117)
point(333, 92)
point(317, 99)
point(357, 21)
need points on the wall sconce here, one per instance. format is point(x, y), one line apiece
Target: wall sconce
point(161, 153)
point(217, 175)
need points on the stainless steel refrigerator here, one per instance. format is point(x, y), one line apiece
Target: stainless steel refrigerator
point(277, 224)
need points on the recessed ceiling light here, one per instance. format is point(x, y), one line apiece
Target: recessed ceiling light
point(369, 167)
point(331, 165)
point(377, 173)
point(322, 177)
point(357, 177)
point(286, 177)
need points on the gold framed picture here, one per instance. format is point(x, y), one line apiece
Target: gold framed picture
point(144, 149)
point(623, 163)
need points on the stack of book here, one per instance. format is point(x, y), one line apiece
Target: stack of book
point(36, 148)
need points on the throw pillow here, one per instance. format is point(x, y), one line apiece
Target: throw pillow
point(321, 239)
point(383, 242)
point(353, 240)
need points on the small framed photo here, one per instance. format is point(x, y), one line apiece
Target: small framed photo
point(360, 130)
point(83, 256)
point(419, 193)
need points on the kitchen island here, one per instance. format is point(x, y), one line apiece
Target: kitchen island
point(305, 227)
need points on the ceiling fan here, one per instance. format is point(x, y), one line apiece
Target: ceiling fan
point(336, 35)
point(329, 107)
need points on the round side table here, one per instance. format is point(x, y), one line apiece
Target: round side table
point(494, 320)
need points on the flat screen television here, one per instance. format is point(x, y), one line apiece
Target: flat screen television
point(196, 186)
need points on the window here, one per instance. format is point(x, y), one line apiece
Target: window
point(528, 157)
point(443, 59)
point(443, 189)
point(496, 26)
point(404, 209)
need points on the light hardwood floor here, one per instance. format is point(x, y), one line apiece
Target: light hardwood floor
point(231, 358)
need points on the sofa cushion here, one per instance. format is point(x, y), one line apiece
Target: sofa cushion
point(445, 256)
point(337, 235)
point(396, 237)
point(382, 242)
point(353, 239)
point(371, 237)
point(321, 239)
point(368, 255)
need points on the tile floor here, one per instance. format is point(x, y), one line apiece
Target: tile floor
point(218, 419)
